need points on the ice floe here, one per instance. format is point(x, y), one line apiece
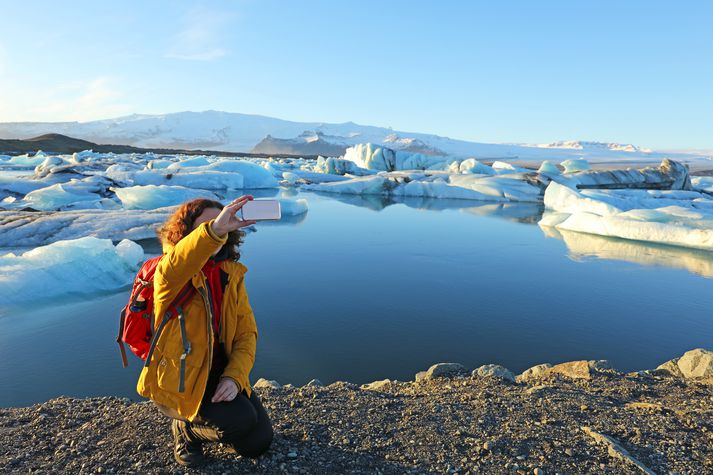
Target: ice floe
point(674, 217)
point(436, 185)
point(158, 196)
point(68, 268)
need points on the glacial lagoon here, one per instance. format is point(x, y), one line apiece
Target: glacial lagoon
point(362, 288)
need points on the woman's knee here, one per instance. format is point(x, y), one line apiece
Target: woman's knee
point(256, 443)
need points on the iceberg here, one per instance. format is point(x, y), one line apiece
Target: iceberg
point(27, 160)
point(199, 161)
point(31, 228)
point(436, 185)
point(58, 196)
point(293, 207)
point(158, 196)
point(673, 217)
point(548, 168)
point(573, 165)
point(471, 165)
point(68, 268)
point(375, 157)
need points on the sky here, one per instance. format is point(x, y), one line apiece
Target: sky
point(636, 72)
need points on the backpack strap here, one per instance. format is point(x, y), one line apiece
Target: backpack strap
point(181, 299)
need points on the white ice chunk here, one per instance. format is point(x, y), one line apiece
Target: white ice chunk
point(564, 199)
point(290, 178)
point(548, 168)
point(158, 164)
point(85, 156)
point(68, 268)
point(35, 228)
point(571, 166)
point(471, 165)
point(368, 185)
point(675, 217)
point(504, 167)
point(57, 196)
point(293, 207)
point(254, 175)
point(189, 162)
point(28, 161)
point(152, 196)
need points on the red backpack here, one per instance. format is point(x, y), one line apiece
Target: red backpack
point(137, 318)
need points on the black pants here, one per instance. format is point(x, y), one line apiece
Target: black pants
point(241, 423)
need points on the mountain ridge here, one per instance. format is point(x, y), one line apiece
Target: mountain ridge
point(244, 133)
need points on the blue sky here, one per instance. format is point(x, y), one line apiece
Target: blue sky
point(505, 71)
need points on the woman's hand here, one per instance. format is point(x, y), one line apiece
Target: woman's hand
point(227, 221)
point(227, 390)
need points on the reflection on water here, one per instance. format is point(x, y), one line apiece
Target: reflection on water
point(582, 246)
point(519, 212)
point(362, 288)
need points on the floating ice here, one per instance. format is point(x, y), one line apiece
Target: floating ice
point(188, 163)
point(338, 166)
point(674, 217)
point(59, 196)
point(548, 168)
point(436, 185)
point(293, 207)
point(31, 228)
point(471, 165)
point(28, 161)
point(152, 196)
point(68, 268)
point(374, 157)
point(571, 166)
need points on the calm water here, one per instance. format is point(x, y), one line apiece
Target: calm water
point(361, 290)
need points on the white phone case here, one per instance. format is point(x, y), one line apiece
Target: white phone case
point(258, 210)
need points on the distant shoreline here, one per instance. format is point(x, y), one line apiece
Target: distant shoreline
point(62, 144)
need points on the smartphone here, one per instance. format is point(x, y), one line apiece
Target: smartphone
point(257, 210)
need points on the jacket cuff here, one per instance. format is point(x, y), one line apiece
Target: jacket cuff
point(237, 383)
point(211, 233)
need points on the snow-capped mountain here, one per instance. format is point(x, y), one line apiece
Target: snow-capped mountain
point(582, 145)
point(244, 133)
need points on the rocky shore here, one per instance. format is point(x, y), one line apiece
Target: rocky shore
point(577, 417)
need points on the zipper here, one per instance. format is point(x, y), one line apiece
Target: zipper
point(209, 316)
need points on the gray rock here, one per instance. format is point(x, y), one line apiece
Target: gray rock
point(494, 371)
point(315, 383)
point(441, 370)
point(267, 384)
point(534, 373)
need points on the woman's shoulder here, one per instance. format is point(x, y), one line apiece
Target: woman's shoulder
point(233, 268)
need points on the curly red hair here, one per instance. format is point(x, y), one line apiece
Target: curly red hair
point(180, 225)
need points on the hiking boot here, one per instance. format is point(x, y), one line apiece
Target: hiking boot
point(187, 450)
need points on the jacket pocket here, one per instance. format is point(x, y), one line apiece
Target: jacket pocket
point(174, 377)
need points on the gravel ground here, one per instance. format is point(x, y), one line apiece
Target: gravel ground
point(461, 424)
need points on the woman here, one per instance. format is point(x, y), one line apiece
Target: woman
point(198, 371)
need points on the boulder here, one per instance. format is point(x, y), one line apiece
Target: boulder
point(582, 369)
point(263, 383)
point(441, 370)
point(694, 364)
point(533, 373)
point(378, 385)
point(494, 371)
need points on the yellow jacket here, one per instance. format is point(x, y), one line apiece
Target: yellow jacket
point(159, 380)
